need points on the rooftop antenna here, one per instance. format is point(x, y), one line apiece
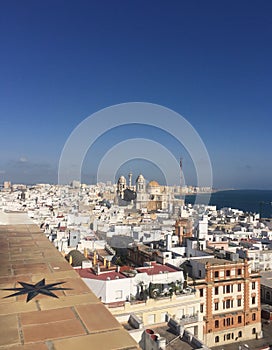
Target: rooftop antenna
point(181, 174)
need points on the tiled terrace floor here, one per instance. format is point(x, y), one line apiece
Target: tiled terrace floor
point(75, 320)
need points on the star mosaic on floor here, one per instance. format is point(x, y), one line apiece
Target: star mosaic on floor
point(32, 290)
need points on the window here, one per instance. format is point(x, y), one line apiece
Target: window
point(228, 273)
point(216, 306)
point(240, 334)
point(216, 274)
point(253, 317)
point(227, 304)
point(268, 295)
point(253, 285)
point(228, 288)
point(239, 319)
point(239, 271)
point(201, 308)
point(253, 300)
point(201, 292)
point(239, 302)
point(253, 330)
point(191, 310)
point(151, 319)
point(216, 290)
point(164, 317)
point(239, 287)
point(228, 321)
point(199, 273)
point(118, 294)
point(216, 339)
point(216, 324)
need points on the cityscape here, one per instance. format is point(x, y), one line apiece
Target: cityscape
point(173, 275)
point(135, 175)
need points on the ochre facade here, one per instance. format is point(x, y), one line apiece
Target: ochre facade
point(231, 303)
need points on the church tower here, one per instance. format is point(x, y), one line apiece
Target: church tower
point(140, 184)
point(121, 186)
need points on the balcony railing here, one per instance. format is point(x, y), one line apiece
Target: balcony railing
point(186, 319)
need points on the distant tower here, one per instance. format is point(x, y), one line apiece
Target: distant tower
point(121, 186)
point(183, 229)
point(181, 174)
point(130, 180)
point(140, 184)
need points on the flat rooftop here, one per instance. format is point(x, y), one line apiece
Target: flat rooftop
point(68, 322)
point(218, 261)
point(266, 278)
point(103, 276)
point(14, 218)
point(156, 268)
point(173, 342)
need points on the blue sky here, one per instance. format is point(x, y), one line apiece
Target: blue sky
point(209, 61)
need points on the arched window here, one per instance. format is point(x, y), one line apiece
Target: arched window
point(216, 339)
point(240, 334)
point(253, 330)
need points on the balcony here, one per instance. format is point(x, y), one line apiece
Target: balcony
point(186, 319)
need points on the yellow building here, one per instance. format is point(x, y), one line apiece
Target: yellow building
point(184, 307)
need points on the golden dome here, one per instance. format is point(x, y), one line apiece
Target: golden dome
point(153, 183)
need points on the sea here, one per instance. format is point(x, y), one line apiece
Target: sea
point(251, 201)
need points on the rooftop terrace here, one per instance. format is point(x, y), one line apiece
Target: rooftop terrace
point(44, 323)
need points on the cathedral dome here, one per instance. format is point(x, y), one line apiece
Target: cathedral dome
point(153, 183)
point(77, 257)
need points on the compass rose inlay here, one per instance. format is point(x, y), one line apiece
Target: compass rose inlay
point(32, 290)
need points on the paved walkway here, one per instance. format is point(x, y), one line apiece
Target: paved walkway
point(76, 319)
